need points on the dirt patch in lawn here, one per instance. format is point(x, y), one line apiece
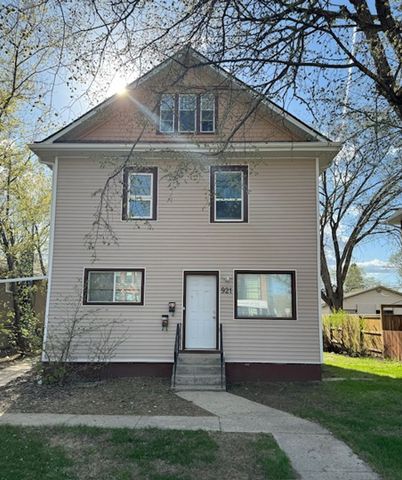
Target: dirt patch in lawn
point(152, 454)
point(122, 396)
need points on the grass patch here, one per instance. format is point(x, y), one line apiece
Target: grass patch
point(274, 463)
point(85, 453)
point(24, 455)
point(350, 367)
point(364, 410)
point(184, 448)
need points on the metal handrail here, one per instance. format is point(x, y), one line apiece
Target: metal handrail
point(177, 343)
point(221, 352)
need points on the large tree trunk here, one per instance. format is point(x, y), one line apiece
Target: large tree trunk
point(335, 302)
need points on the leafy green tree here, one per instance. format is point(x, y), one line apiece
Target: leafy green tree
point(354, 278)
point(24, 227)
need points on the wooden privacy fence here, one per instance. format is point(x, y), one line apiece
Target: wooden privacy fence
point(371, 335)
point(367, 340)
point(392, 331)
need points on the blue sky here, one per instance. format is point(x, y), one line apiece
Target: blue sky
point(373, 257)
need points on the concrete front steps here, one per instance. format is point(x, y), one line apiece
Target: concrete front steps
point(198, 371)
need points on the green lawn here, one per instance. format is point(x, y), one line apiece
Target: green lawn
point(342, 365)
point(149, 454)
point(361, 405)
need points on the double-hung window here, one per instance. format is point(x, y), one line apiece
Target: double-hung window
point(229, 193)
point(265, 294)
point(107, 286)
point(140, 193)
point(187, 113)
point(207, 113)
point(167, 113)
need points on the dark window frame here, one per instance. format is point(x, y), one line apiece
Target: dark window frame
point(197, 130)
point(292, 273)
point(126, 175)
point(87, 271)
point(228, 168)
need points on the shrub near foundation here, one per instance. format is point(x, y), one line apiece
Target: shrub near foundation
point(342, 333)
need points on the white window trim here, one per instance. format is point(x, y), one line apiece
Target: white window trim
point(179, 110)
point(166, 110)
point(213, 114)
point(114, 272)
point(140, 197)
point(229, 220)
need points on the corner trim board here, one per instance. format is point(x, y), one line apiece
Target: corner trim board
point(51, 246)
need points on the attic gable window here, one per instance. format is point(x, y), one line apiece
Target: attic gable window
point(187, 113)
point(140, 193)
point(207, 113)
point(167, 113)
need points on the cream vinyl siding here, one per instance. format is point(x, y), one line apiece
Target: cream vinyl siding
point(281, 234)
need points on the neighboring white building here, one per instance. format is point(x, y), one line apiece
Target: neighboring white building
point(369, 300)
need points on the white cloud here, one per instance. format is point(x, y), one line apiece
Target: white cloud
point(375, 265)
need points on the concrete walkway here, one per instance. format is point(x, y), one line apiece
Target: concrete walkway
point(14, 371)
point(313, 451)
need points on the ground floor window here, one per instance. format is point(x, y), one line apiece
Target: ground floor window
point(106, 286)
point(265, 294)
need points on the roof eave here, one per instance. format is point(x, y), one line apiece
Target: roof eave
point(325, 152)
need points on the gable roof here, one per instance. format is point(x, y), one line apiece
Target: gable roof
point(365, 290)
point(291, 120)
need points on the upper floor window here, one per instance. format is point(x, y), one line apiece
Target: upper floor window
point(229, 193)
point(114, 286)
point(140, 193)
point(187, 113)
point(167, 114)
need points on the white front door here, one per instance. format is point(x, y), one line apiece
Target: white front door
point(200, 311)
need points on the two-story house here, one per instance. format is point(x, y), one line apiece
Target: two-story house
point(206, 212)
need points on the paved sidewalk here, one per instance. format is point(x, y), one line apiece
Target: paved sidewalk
point(110, 421)
point(14, 371)
point(313, 451)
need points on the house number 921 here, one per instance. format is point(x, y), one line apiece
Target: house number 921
point(226, 290)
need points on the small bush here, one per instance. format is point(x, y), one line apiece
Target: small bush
point(342, 333)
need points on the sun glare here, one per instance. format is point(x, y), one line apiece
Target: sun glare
point(118, 86)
